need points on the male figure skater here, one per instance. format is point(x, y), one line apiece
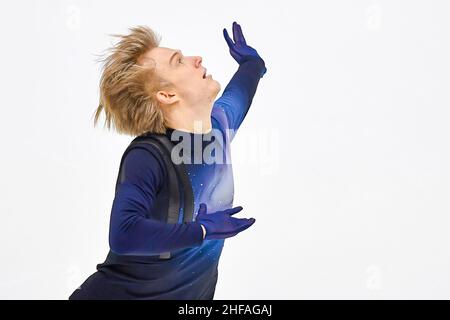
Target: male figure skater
point(147, 88)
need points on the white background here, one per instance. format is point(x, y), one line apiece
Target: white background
point(342, 159)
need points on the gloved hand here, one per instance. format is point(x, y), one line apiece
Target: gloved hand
point(221, 224)
point(239, 50)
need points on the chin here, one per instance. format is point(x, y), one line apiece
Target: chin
point(216, 86)
point(214, 91)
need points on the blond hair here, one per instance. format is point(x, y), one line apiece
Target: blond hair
point(128, 88)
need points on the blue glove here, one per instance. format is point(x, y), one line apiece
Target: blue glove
point(221, 224)
point(239, 50)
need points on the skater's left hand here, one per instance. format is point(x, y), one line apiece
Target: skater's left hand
point(239, 49)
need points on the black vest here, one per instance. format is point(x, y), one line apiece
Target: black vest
point(180, 206)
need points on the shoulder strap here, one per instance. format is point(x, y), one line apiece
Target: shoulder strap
point(184, 182)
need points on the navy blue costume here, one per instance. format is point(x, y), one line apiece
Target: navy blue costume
point(136, 237)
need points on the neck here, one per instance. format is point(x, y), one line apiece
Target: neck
point(194, 119)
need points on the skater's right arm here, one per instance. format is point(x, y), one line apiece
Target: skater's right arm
point(131, 232)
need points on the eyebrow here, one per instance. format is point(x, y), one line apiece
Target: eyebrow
point(176, 53)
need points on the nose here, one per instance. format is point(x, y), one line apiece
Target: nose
point(198, 61)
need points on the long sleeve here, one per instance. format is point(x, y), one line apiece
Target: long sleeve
point(131, 232)
point(238, 94)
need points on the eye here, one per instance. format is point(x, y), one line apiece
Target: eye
point(179, 60)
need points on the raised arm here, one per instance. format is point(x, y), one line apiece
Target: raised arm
point(131, 232)
point(238, 94)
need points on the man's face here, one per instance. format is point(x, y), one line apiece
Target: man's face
point(186, 75)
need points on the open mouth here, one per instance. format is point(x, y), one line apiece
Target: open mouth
point(204, 74)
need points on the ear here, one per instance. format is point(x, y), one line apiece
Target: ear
point(166, 97)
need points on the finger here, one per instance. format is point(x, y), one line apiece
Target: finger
point(239, 221)
point(236, 36)
point(227, 38)
point(241, 38)
point(244, 224)
point(234, 210)
point(202, 209)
